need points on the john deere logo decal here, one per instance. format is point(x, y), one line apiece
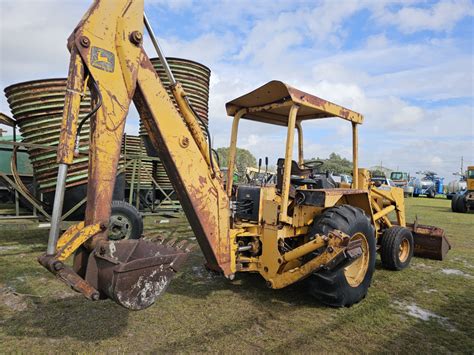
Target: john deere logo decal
point(103, 59)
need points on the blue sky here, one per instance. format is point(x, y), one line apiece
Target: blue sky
point(406, 65)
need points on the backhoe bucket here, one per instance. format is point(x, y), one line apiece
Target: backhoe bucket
point(134, 273)
point(430, 242)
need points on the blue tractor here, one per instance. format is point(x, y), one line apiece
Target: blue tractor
point(430, 184)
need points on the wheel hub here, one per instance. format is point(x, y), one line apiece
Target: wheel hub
point(356, 271)
point(404, 250)
point(120, 227)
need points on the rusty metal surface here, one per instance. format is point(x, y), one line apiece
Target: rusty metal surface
point(134, 273)
point(195, 78)
point(201, 195)
point(277, 92)
point(37, 106)
point(430, 242)
point(68, 276)
point(6, 120)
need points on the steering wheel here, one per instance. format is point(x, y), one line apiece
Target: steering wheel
point(313, 164)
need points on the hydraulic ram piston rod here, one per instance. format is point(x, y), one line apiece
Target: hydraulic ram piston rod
point(158, 50)
point(57, 209)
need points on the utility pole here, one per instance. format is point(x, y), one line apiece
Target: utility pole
point(462, 163)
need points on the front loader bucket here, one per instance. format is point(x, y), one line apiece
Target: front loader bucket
point(430, 242)
point(134, 273)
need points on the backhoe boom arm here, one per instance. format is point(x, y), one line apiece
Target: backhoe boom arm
point(108, 41)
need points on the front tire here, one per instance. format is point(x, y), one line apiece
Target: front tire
point(396, 248)
point(345, 286)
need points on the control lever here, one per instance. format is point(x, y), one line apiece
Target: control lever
point(266, 171)
point(259, 167)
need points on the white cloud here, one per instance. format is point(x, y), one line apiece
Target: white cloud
point(247, 43)
point(33, 37)
point(442, 16)
point(377, 41)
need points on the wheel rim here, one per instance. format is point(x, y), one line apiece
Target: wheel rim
point(120, 227)
point(404, 250)
point(356, 271)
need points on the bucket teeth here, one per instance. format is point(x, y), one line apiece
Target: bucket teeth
point(154, 235)
point(181, 244)
point(190, 247)
point(171, 242)
point(160, 239)
point(177, 243)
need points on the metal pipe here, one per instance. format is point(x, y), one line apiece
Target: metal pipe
point(304, 249)
point(191, 121)
point(57, 209)
point(384, 212)
point(299, 128)
point(377, 208)
point(355, 170)
point(285, 190)
point(245, 248)
point(183, 102)
point(232, 150)
point(158, 50)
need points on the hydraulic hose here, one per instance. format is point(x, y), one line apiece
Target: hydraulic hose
point(90, 114)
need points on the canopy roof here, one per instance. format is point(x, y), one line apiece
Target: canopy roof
point(278, 97)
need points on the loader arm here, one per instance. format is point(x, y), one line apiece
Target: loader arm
point(107, 55)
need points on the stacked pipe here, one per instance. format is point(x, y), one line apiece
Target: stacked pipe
point(195, 80)
point(37, 107)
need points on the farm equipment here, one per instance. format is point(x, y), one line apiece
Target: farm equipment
point(430, 184)
point(457, 186)
point(300, 228)
point(464, 200)
point(399, 178)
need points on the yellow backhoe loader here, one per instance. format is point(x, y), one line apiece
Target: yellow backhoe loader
point(303, 227)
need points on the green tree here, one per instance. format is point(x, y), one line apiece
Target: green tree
point(336, 164)
point(243, 159)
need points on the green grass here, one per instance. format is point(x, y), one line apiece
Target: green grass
point(205, 313)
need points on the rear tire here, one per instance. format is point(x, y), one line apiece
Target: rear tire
point(396, 248)
point(454, 202)
point(343, 287)
point(416, 195)
point(461, 205)
point(125, 221)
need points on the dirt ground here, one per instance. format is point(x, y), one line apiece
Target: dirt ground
point(428, 308)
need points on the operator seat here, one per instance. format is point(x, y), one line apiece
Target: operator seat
point(303, 176)
point(299, 176)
